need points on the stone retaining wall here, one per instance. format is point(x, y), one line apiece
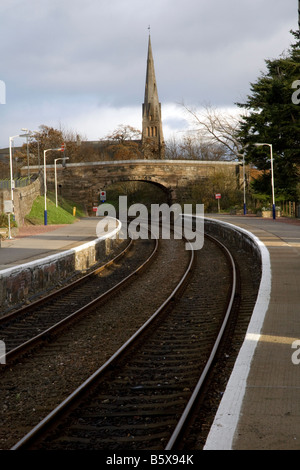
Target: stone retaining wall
point(234, 235)
point(25, 282)
point(23, 199)
point(22, 283)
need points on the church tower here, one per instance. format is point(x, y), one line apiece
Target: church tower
point(152, 134)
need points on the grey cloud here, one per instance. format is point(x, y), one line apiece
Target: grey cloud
point(94, 51)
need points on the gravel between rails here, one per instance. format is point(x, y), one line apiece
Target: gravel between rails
point(39, 317)
point(36, 385)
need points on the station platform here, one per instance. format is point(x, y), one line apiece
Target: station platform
point(37, 242)
point(260, 408)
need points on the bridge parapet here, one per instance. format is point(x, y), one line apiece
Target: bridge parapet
point(82, 181)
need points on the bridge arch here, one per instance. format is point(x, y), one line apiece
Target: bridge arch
point(167, 191)
point(81, 181)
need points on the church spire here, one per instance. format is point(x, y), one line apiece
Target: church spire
point(152, 134)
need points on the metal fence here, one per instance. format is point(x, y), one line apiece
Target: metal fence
point(19, 182)
point(289, 209)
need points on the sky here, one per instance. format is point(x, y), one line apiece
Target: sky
point(80, 65)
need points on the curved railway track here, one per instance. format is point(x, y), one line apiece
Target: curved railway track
point(35, 383)
point(39, 321)
point(143, 396)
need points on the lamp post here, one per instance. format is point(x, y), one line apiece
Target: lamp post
point(11, 184)
point(45, 184)
point(10, 167)
point(37, 137)
point(244, 177)
point(272, 176)
point(61, 158)
point(28, 134)
point(244, 180)
point(11, 178)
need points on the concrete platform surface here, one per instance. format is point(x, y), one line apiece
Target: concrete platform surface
point(49, 241)
point(260, 408)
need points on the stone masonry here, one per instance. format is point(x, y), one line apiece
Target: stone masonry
point(23, 199)
point(82, 182)
point(22, 283)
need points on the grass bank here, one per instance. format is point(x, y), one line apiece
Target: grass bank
point(62, 214)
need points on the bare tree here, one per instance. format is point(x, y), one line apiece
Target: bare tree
point(191, 146)
point(219, 128)
point(172, 149)
point(124, 143)
point(124, 133)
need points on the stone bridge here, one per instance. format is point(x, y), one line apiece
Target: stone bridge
point(82, 182)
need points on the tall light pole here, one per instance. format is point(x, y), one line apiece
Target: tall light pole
point(37, 137)
point(11, 167)
point(28, 134)
point(272, 177)
point(61, 158)
point(244, 180)
point(12, 185)
point(45, 182)
point(244, 176)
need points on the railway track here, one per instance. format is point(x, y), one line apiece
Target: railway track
point(37, 322)
point(144, 395)
point(35, 383)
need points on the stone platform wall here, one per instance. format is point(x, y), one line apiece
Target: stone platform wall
point(23, 199)
point(25, 282)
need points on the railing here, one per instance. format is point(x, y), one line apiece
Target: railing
point(19, 182)
point(289, 209)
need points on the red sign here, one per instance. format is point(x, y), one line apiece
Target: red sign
point(103, 196)
point(95, 209)
point(218, 196)
point(62, 147)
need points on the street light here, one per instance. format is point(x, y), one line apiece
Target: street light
point(45, 184)
point(272, 177)
point(11, 178)
point(37, 137)
point(28, 134)
point(244, 176)
point(244, 185)
point(62, 158)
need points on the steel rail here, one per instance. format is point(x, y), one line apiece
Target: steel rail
point(66, 288)
point(46, 333)
point(188, 409)
point(62, 407)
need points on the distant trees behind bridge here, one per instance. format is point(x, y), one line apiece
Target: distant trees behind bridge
point(124, 143)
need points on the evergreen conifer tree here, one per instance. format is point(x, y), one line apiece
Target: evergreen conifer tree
point(274, 117)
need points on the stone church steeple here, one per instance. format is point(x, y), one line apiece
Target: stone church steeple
point(152, 134)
